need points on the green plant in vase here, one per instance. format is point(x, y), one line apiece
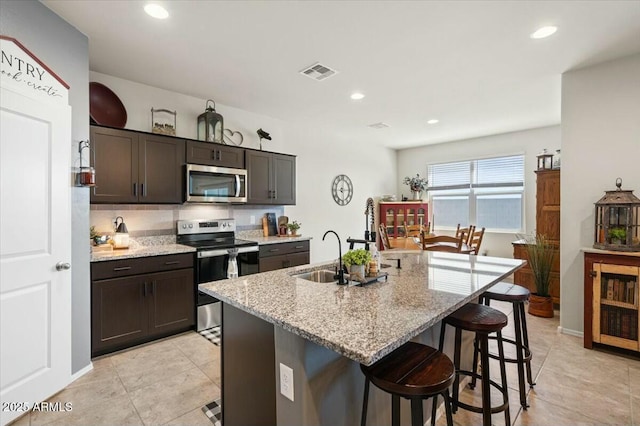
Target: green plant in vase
point(293, 227)
point(541, 254)
point(356, 260)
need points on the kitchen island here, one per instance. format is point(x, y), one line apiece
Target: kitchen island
point(324, 331)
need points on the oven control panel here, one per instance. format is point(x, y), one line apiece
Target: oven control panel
point(201, 226)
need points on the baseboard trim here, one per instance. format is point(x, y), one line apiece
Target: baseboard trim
point(570, 332)
point(75, 376)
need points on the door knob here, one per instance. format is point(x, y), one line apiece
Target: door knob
point(62, 266)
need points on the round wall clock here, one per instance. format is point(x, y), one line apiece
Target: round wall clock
point(342, 190)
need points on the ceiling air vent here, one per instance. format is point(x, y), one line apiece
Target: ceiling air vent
point(380, 125)
point(318, 72)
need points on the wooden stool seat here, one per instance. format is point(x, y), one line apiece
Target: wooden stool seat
point(477, 318)
point(507, 292)
point(412, 371)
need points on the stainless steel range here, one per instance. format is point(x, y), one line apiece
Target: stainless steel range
point(214, 239)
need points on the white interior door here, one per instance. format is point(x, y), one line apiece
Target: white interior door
point(35, 297)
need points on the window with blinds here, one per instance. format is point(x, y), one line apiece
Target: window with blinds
point(487, 192)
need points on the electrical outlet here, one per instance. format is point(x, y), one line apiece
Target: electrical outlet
point(286, 381)
point(252, 220)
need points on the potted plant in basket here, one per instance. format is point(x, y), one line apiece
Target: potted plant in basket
point(356, 260)
point(541, 254)
point(293, 227)
point(417, 185)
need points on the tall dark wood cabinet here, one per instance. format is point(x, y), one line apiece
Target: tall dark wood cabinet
point(137, 300)
point(548, 204)
point(271, 178)
point(547, 223)
point(136, 167)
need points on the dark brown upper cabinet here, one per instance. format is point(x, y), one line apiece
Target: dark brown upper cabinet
point(136, 167)
point(271, 178)
point(215, 154)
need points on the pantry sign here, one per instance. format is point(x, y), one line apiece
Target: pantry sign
point(23, 72)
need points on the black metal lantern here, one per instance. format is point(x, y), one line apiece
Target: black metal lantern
point(618, 221)
point(210, 124)
point(545, 160)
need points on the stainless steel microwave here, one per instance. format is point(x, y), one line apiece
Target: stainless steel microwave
point(207, 184)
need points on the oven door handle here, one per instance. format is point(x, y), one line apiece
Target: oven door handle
point(249, 249)
point(212, 253)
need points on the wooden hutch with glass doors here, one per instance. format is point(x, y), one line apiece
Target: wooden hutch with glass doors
point(396, 216)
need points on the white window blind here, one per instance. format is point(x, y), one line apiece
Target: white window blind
point(486, 192)
point(450, 176)
point(499, 172)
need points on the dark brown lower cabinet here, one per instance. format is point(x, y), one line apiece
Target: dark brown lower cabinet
point(129, 310)
point(283, 255)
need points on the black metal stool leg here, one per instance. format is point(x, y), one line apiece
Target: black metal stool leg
point(365, 403)
point(486, 385)
point(417, 418)
point(517, 320)
point(447, 407)
point(472, 384)
point(395, 410)
point(456, 365)
point(503, 375)
point(434, 408)
point(525, 339)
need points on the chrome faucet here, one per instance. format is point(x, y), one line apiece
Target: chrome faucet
point(340, 273)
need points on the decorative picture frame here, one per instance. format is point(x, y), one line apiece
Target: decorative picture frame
point(163, 121)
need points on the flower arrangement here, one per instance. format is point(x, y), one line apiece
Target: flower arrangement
point(416, 183)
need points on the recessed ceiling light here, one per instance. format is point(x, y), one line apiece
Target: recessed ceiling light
point(357, 96)
point(433, 121)
point(156, 11)
point(544, 32)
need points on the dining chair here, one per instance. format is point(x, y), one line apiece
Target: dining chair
point(468, 231)
point(412, 230)
point(475, 240)
point(443, 243)
point(384, 237)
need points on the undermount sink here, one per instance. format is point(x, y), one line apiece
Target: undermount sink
point(321, 276)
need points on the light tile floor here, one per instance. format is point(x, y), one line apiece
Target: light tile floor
point(167, 383)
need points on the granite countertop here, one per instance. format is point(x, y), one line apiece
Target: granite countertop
point(275, 239)
point(140, 251)
point(366, 323)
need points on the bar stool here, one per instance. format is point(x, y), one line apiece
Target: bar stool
point(413, 371)
point(481, 320)
point(517, 295)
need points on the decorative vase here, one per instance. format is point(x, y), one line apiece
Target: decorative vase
point(356, 272)
point(541, 306)
point(417, 195)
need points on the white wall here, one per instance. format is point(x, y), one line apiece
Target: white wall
point(600, 142)
point(528, 142)
point(320, 157)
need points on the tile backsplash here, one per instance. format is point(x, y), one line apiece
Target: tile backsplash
point(155, 220)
